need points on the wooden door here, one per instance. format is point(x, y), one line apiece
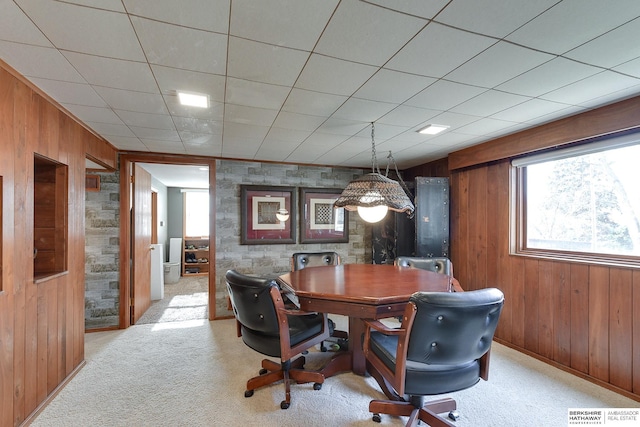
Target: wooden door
point(141, 245)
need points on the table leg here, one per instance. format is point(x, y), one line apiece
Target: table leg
point(358, 361)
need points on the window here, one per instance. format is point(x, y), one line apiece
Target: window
point(581, 200)
point(196, 213)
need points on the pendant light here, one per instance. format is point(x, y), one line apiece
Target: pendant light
point(373, 194)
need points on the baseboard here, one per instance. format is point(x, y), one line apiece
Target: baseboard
point(32, 416)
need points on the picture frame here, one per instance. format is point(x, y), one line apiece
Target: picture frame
point(320, 222)
point(261, 221)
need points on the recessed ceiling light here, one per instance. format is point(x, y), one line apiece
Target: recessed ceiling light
point(193, 99)
point(432, 129)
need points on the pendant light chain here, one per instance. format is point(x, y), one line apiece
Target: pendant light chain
point(374, 158)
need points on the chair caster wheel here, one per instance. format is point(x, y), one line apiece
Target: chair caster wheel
point(284, 404)
point(263, 371)
point(248, 393)
point(376, 418)
point(317, 386)
point(454, 415)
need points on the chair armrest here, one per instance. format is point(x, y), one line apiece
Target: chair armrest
point(381, 327)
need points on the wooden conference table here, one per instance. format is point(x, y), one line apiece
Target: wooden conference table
point(359, 291)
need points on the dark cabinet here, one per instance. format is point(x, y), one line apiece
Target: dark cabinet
point(424, 235)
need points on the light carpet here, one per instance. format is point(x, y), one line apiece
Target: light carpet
point(188, 299)
point(194, 373)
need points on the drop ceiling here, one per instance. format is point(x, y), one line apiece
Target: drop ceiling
point(302, 80)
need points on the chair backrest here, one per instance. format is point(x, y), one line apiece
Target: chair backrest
point(453, 327)
point(300, 260)
point(252, 303)
point(438, 264)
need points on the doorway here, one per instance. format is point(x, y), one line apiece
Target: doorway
point(196, 294)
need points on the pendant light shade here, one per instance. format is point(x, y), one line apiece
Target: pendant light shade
point(371, 193)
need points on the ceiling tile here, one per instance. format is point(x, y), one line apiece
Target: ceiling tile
point(392, 86)
point(631, 68)
point(155, 134)
point(133, 101)
point(484, 126)
point(448, 118)
point(312, 103)
point(113, 5)
point(209, 15)
point(295, 121)
point(93, 114)
point(264, 63)
point(501, 62)
point(182, 47)
point(240, 147)
point(214, 112)
point(249, 115)
point(571, 23)
point(127, 143)
point(160, 146)
point(271, 21)
point(495, 18)
point(374, 33)
point(613, 48)
point(421, 8)
point(443, 95)
point(547, 77)
point(171, 80)
point(363, 110)
point(528, 110)
point(198, 126)
point(28, 60)
point(342, 127)
point(450, 46)
point(405, 115)
point(254, 94)
point(114, 73)
point(111, 129)
point(334, 76)
point(240, 130)
point(488, 103)
point(94, 31)
point(70, 93)
point(157, 121)
point(16, 27)
point(316, 145)
point(591, 87)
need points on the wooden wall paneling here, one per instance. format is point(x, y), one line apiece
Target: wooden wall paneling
point(620, 328)
point(459, 233)
point(7, 90)
point(579, 282)
point(531, 306)
point(547, 287)
point(515, 297)
point(478, 227)
point(599, 322)
point(562, 313)
point(51, 295)
point(502, 257)
point(636, 332)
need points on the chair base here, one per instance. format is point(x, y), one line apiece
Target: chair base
point(287, 371)
point(427, 413)
point(415, 410)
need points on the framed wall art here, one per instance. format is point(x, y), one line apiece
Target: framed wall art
point(320, 222)
point(268, 215)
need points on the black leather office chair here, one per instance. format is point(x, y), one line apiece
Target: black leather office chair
point(300, 260)
point(438, 264)
point(442, 346)
point(269, 328)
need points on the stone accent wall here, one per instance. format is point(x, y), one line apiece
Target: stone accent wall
point(102, 251)
point(274, 259)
